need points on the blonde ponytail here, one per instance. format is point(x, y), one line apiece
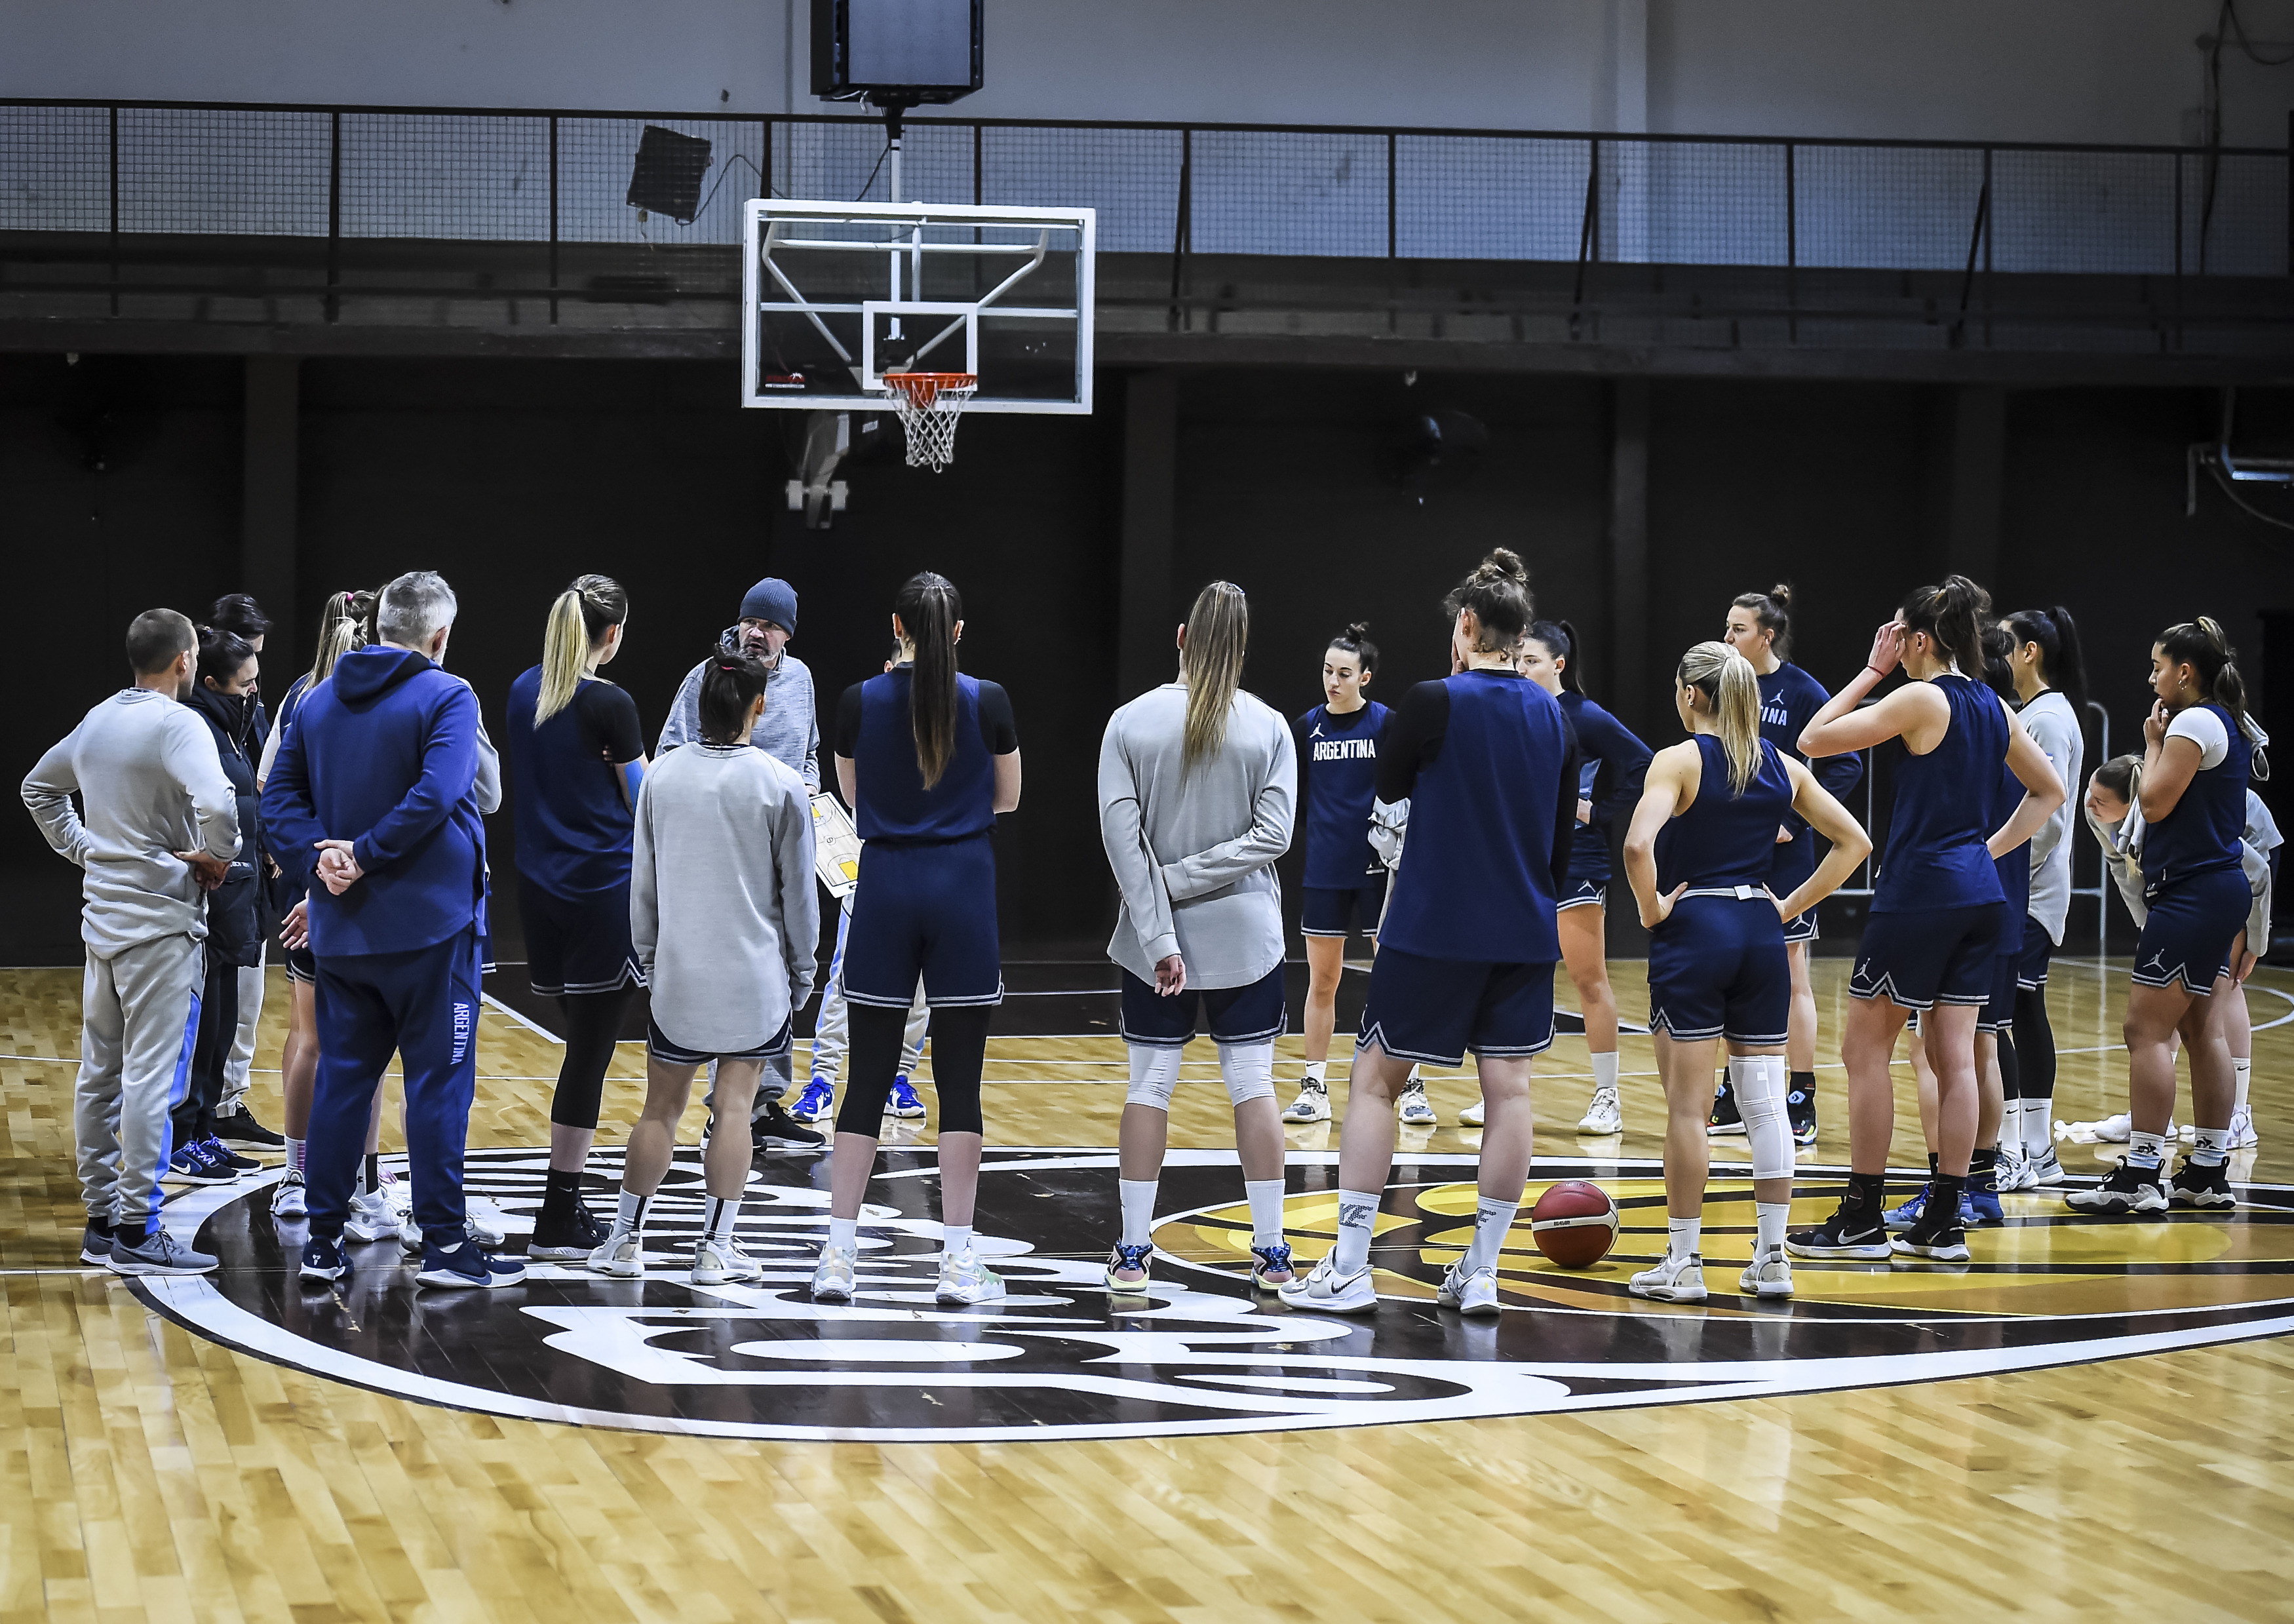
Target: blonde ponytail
point(579, 621)
point(1733, 689)
point(1218, 633)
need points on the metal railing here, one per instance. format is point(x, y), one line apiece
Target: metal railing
point(119, 171)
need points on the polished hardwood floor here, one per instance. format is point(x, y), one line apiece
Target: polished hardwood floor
point(146, 1472)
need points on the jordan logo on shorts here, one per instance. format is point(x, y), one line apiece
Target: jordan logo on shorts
point(466, 1019)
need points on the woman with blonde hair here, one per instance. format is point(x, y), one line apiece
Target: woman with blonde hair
point(1699, 856)
point(1198, 785)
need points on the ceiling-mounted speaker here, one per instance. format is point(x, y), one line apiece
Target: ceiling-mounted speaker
point(666, 179)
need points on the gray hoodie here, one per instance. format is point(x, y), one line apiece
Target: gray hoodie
point(789, 731)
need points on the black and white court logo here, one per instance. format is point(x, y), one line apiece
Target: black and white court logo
point(1204, 1353)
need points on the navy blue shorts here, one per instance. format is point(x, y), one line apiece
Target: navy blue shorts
point(2193, 924)
point(576, 946)
point(1250, 1014)
point(1434, 1010)
point(1793, 862)
point(668, 1053)
point(1582, 894)
point(1800, 930)
point(1917, 960)
point(2031, 964)
point(1717, 969)
point(1342, 913)
point(1999, 1009)
point(928, 911)
point(302, 966)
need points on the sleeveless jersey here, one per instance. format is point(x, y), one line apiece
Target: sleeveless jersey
point(1337, 762)
point(894, 805)
point(2015, 868)
point(1724, 839)
point(1476, 877)
point(1936, 831)
point(2203, 831)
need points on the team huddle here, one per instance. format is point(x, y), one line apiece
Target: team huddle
point(1466, 831)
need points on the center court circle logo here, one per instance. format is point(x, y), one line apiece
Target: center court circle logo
point(1203, 1353)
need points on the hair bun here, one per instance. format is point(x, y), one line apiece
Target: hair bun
point(1502, 563)
point(1356, 630)
point(1782, 592)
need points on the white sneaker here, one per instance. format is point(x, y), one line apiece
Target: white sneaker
point(1471, 1293)
point(1312, 1105)
point(488, 1225)
point(1674, 1279)
point(1416, 1110)
point(2242, 1136)
point(289, 1198)
point(622, 1256)
point(1768, 1275)
point(719, 1262)
point(485, 1222)
point(1473, 1114)
point(2014, 1172)
point(1602, 1116)
point(2117, 1130)
point(1326, 1291)
point(832, 1276)
point(371, 1217)
point(965, 1280)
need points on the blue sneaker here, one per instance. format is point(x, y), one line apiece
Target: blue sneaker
point(323, 1260)
point(156, 1252)
point(223, 1156)
point(1979, 1206)
point(818, 1103)
point(1271, 1267)
point(903, 1103)
point(1904, 1217)
point(191, 1164)
point(469, 1266)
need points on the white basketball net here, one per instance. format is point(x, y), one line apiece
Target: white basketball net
point(928, 405)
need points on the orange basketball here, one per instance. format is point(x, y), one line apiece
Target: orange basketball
point(1575, 1223)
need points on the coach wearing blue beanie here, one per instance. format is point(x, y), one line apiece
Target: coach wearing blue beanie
point(789, 732)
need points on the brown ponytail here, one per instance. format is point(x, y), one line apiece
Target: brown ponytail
point(1954, 614)
point(1498, 593)
point(928, 609)
point(1218, 631)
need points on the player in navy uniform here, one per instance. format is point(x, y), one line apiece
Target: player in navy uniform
point(926, 757)
point(1611, 763)
point(1699, 856)
point(1760, 629)
point(2199, 752)
point(1482, 768)
point(1937, 914)
point(1345, 887)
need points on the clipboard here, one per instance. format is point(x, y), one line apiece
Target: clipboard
point(835, 846)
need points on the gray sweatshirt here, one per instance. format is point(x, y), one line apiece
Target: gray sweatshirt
point(1193, 852)
point(153, 785)
point(789, 731)
point(723, 910)
point(2053, 726)
point(2257, 841)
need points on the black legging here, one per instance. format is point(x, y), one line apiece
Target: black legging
point(593, 1026)
point(218, 1030)
point(959, 1052)
point(2035, 1045)
point(2010, 1067)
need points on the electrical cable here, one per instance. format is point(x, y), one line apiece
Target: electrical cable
point(2231, 490)
point(871, 180)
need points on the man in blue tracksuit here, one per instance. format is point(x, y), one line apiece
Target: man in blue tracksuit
point(374, 794)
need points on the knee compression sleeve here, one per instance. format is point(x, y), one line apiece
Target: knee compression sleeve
point(1759, 1080)
point(959, 1049)
point(593, 1025)
point(1154, 1074)
point(1248, 1069)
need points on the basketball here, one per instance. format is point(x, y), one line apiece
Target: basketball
point(1575, 1223)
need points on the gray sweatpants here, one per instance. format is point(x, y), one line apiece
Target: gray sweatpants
point(139, 1014)
point(242, 1049)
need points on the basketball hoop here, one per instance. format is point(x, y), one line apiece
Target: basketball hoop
point(928, 404)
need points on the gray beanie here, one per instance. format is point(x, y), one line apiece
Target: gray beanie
point(771, 599)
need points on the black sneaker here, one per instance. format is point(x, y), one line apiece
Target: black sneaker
point(1800, 1109)
point(2196, 1186)
point(2127, 1190)
point(774, 1129)
point(1724, 1118)
point(1937, 1237)
point(1834, 1238)
point(240, 1128)
point(95, 1244)
point(224, 1155)
point(567, 1235)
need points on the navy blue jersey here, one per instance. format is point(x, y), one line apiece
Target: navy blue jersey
point(1612, 765)
point(1724, 837)
point(2015, 868)
point(1338, 779)
point(569, 799)
point(1489, 765)
point(875, 733)
point(1790, 699)
point(2205, 830)
point(1942, 812)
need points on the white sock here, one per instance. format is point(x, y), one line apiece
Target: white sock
point(2245, 1072)
point(1604, 1071)
point(954, 1239)
point(844, 1232)
point(1681, 1235)
point(1770, 1217)
point(1491, 1221)
point(719, 1217)
point(1265, 1211)
point(2039, 1126)
point(2011, 1128)
point(1357, 1213)
point(2209, 1147)
point(2146, 1151)
point(629, 1213)
point(1138, 1198)
point(296, 1152)
point(1315, 1070)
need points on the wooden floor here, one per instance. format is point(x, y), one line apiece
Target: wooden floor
point(145, 1472)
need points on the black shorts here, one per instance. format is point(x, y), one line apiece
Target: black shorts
point(1434, 1010)
point(2031, 965)
point(576, 946)
point(676, 1054)
point(1999, 1009)
point(1915, 959)
point(1254, 1014)
point(302, 966)
point(1342, 913)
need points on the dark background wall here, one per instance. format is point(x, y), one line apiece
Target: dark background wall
point(120, 489)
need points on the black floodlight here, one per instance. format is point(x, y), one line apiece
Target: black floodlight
point(896, 53)
point(667, 178)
